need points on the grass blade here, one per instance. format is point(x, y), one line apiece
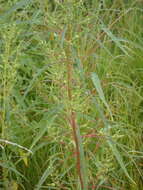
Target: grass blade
point(115, 39)
point(46, 173)
point(97, 84)
point(119, 158)
point(82, 160)
point(18, 5)
point(39, 72)
point(43, 125)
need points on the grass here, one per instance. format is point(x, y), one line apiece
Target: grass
point(71, 95)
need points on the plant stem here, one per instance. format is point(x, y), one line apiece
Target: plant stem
point(75, 129)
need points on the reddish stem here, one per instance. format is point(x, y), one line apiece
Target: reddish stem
point(73, 121)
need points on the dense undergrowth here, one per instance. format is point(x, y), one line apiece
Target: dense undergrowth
point(64, 65)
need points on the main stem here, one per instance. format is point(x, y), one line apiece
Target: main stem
point(73, 124)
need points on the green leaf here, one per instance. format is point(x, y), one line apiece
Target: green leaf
point(82, 161)
point(18, 5)
point(37, 74)
point(98, 87)
point(7, 166)
point(46, 173)
point(119, 158)
point(116, 40)
point(43, 125)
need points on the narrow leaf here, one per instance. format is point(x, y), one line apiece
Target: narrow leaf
point(46, 173)
point(116, 40)
point(43, 125)
point(98, 87)
point(119, 158)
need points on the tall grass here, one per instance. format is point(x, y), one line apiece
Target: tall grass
point(71, 95)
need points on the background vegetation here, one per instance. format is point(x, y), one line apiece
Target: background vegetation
point(71, 71)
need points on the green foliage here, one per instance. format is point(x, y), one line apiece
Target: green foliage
point(100, 42)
